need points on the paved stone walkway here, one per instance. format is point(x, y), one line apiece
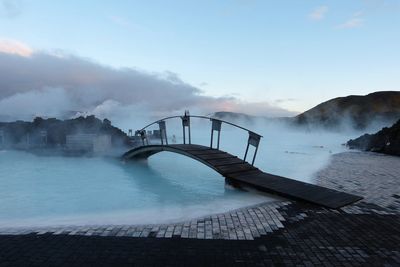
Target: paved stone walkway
point(322, 238)
point(374, 176)
point(242, 224)
point(284, 233)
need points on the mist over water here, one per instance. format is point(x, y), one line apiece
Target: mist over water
point(296, 153)
point(167, 187)
point(37, 191)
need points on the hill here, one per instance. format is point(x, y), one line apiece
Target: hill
point(356, 111)
point(233, 116)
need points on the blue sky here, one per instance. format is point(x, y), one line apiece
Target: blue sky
point(291, 54)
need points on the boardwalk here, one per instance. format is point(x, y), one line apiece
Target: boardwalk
point(238, 171)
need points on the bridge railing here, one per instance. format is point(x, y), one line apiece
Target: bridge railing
point(216, 126)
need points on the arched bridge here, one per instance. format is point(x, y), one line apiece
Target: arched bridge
point(237, 171)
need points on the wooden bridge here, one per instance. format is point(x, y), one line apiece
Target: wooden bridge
point(237, 171)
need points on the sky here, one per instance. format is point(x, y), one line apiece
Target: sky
point(272, 58)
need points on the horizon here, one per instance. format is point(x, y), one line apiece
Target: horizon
point(78, 114)
point(132, 58)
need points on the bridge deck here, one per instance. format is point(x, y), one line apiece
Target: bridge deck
point(241, 172)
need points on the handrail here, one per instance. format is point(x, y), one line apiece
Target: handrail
point(253, 139)
point(201, 117)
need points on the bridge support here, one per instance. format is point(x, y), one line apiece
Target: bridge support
point(232, 183)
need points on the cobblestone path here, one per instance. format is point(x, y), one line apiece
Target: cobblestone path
point(374, 176)
point(322, 238)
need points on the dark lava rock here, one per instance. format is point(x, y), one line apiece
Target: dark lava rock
point(385, 141)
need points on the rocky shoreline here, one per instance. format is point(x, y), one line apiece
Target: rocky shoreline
point(386, 141)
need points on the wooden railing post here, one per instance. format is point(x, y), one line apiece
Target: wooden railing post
point(215, 126)
point(254, 140)
point(186, 123)
point(163, 132)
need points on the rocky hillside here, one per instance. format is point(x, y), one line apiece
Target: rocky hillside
point(242, 118)
point(385, 141)
point(356, 111)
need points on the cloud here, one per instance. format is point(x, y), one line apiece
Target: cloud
point(14, 47)
point(284, 100)
point(52, 102)
point(355, 21)
point(120, 21)
point(318, 13)
point(10, 8)
point(51, 85)
point(382, 5)
point(352, 23)
point(253, 108)
point(126, 23)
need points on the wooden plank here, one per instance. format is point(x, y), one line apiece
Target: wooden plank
point(188, 147)
point(215, 156)
point(241, 167)
point(296, 189)
point(205, 151)
point(244, 174)
point(226, 161)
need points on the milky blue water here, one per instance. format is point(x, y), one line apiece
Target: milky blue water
point(56, 190)
point(37, 190)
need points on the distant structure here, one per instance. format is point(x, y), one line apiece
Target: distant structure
point(35, 140)
point(155, 134)
point(43, 138)
point(2, 140)
point(144, 136)
point(88, 143)
point(27, 141)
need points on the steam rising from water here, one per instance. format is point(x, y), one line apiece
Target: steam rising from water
point(284, 150)
point(168, 187)
point(43, 84)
